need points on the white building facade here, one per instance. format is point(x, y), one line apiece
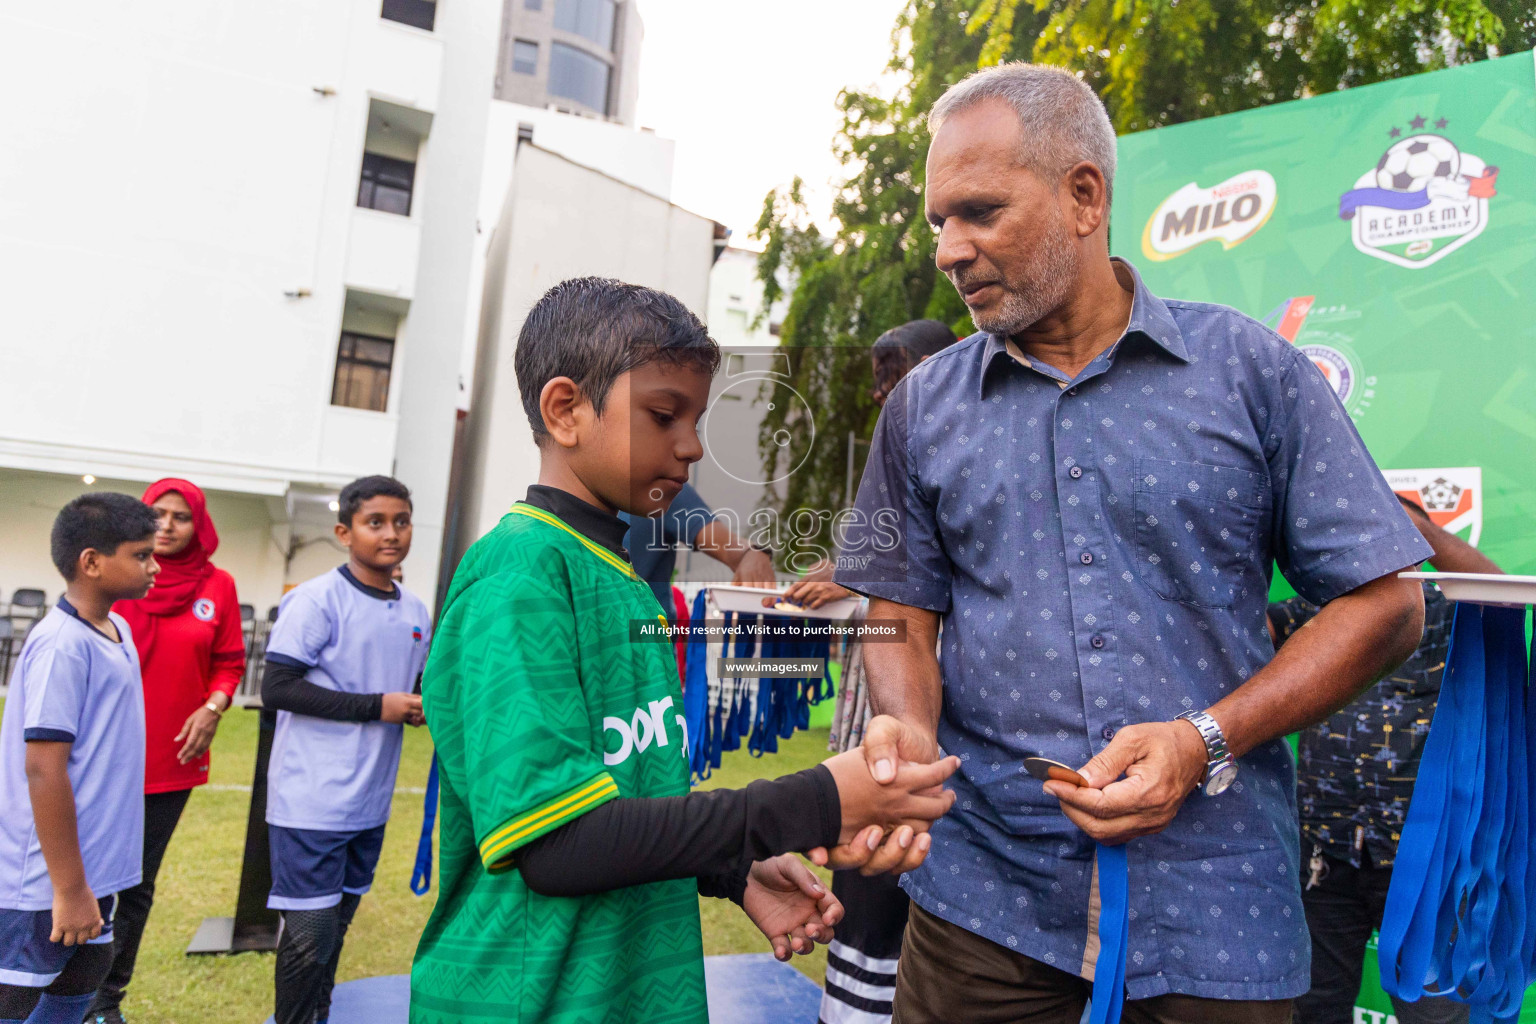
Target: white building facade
point(246, 244)
point(238, 242)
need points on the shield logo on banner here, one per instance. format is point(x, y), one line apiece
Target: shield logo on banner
point(1452, 497)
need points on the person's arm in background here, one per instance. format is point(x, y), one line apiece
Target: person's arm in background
point(1452, 554)
point(689, 520)
point(228, 654)
point(750, 567)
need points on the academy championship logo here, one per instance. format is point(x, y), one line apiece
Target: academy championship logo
point(1452, 497)
point(1424, 199)
point(1228, 213)
point(203, 609)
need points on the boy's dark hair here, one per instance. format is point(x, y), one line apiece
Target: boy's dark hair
point(102, 520)
point(900, 349)
point(593, 329)
point(360, 490)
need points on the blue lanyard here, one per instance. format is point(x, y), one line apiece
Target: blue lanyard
point(696, 695)
point(1114, 925)
point(421, 874)
point(1456, 920)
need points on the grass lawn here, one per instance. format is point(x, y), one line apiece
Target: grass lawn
point(201, 873)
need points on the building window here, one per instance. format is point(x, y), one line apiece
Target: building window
point(525, 57)
point(590, 19)
point(578, 76)
point(386, 184)
point(417, 13)
point(362, 371)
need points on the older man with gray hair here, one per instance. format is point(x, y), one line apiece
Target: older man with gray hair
point(1092, 493)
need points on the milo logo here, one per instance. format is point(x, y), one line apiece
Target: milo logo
point(1229, 213)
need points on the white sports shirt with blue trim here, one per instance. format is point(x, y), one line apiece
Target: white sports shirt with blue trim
point(340, 776)
point(72, 684)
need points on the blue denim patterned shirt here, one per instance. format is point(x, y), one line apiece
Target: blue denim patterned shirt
point(1100, 551)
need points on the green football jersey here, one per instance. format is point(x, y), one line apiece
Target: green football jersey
point(543, 704)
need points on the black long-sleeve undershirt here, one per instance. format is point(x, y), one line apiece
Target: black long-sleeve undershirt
point(284, 688)
point(712, 835)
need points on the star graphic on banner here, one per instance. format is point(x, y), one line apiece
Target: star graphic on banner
point(1441, 123)
point(1417, 122)
point(1394, 133)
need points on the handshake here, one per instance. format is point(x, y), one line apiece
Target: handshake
point(887, 808)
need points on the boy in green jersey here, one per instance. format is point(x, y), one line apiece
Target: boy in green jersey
point(572, 852)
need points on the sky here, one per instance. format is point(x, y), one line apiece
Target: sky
point(748, 90)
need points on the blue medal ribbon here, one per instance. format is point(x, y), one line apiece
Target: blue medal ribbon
point(1114, 926)
point(1456, 921)
point(421, 874)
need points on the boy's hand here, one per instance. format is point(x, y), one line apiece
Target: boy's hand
point(402, 708)
point(76, 917)
point(913, 798)
point(790, 906)
point(903, 850)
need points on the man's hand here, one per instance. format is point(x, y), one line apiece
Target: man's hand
point(402, 708)
point(76, 916)
point(903, 850)
point(890, 741)
point(1162, 763)
point(789, 905)
point(198, 731)
point(754, 570)
point(913, 798)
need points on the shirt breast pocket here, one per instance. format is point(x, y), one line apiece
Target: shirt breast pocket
point(1195, 529)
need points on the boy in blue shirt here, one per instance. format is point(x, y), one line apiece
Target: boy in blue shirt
point(72, 767)
point(342, 662)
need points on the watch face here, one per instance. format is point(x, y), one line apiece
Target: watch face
point(1220, 779)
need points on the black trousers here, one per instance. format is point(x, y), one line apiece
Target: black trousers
point(161, 813)
point(1342, 909)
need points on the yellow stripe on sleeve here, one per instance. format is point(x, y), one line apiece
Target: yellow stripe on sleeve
point(497, 847)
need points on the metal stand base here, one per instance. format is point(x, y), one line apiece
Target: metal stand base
point(219, 935)
point(255, 927)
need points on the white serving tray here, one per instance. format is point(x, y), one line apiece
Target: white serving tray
point(1481, 588)
point(749, 600)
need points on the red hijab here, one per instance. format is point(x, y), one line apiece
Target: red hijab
point(182, 575)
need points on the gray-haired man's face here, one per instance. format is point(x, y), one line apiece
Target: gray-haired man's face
point(1004, 238)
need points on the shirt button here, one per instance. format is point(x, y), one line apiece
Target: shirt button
point(1108, 732)
point(1087, 559)
point(1075, 472)
point(1097, 640)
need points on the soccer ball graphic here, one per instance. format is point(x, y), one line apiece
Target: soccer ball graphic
point(1409, 164)
point(1440, 495)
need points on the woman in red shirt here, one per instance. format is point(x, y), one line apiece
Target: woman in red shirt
point(192, 652)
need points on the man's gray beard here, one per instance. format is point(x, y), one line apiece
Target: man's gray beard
point(1050, 276)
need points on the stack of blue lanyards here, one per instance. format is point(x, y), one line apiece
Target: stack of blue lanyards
point(1456, 921)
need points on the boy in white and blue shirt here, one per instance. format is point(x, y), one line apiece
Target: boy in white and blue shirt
point(72, 767)
point(342, 662)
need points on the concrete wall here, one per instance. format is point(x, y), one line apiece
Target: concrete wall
point(560, 220)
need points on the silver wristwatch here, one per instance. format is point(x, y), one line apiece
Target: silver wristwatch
point(1220, 765)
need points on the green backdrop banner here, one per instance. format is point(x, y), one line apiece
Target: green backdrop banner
point(1390, 232)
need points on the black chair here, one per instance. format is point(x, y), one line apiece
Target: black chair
point(272, 614)
point(34, 601)
point(247, 613)
point(7, 649)
point(28, 605)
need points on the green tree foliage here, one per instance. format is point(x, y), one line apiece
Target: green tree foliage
point(1154, 62)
